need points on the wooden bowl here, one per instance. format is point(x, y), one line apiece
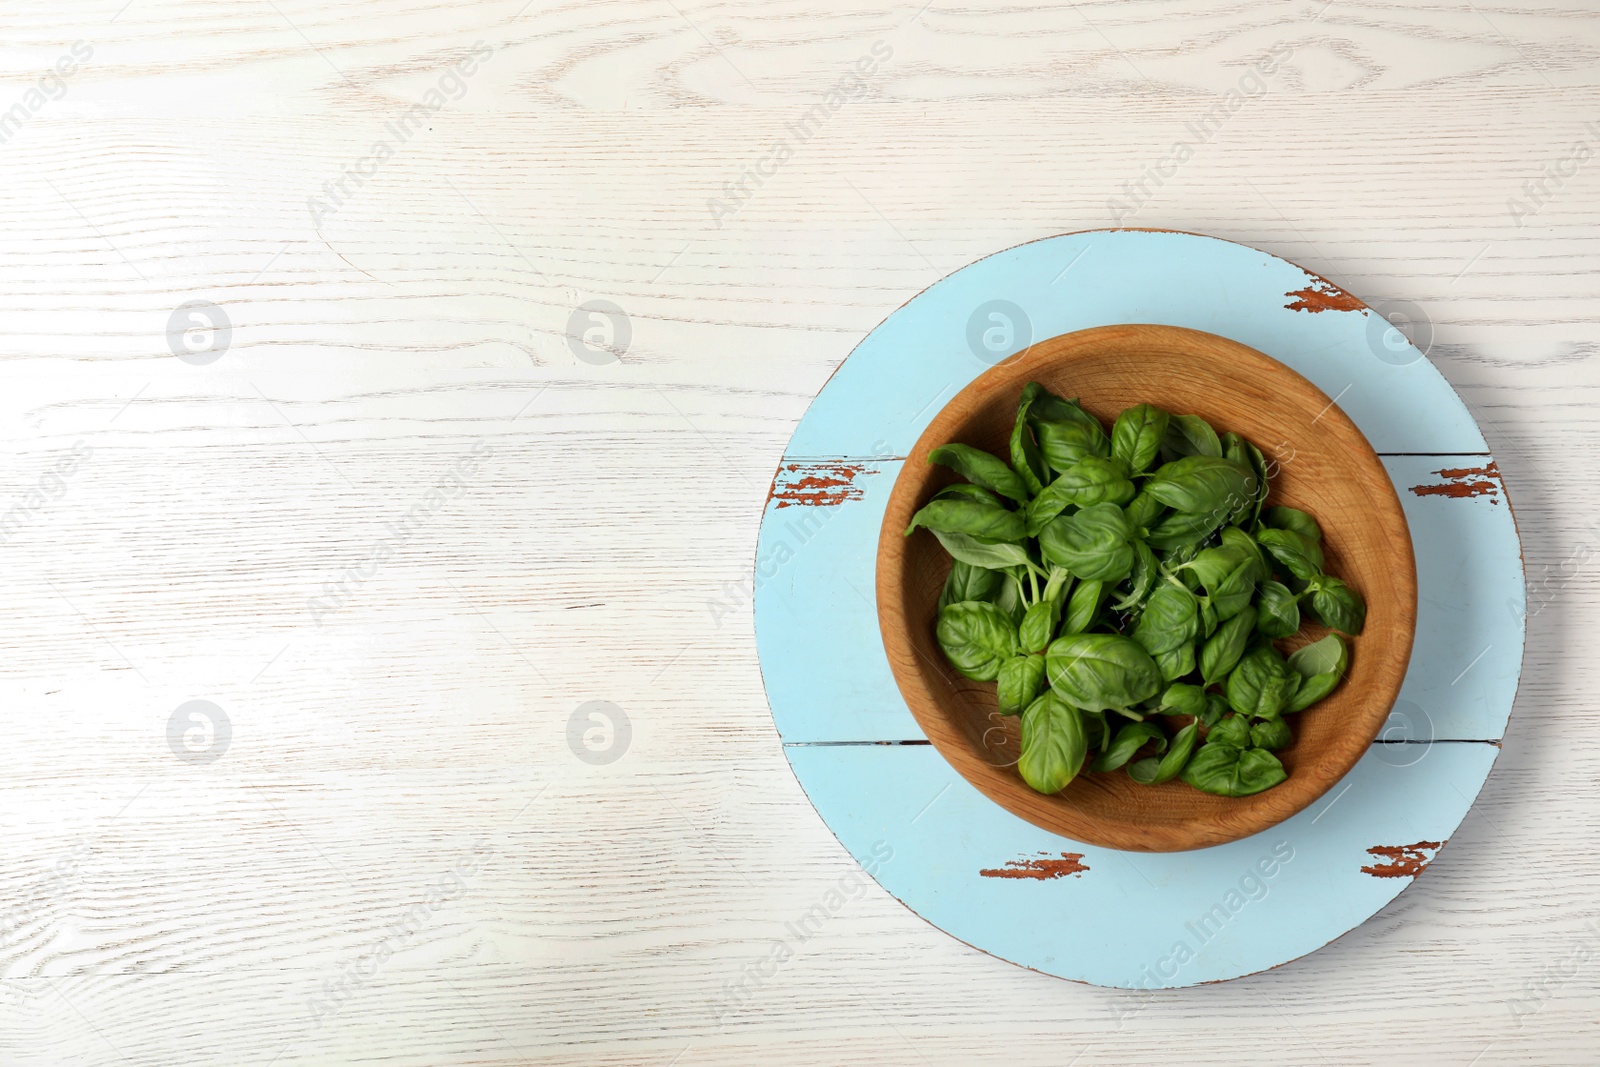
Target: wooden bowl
point(1324, 466)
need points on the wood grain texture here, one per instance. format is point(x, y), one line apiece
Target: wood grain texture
point(1330, 472)
point(173, 913)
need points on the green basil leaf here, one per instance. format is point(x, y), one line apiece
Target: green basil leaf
point(1230, 573)
point(1216, 708)
point(1066, 432)
point(1181, 529)
point(1145, 572)
point(1039, 625)
point(1205, 484)
point(1025, 457)
point(1083, 606)
point(1101, 671)
point(1314, 689)
point(1175, 663)
point(1234, 730)
point(1189, 435)
point(1230, 771)
point(968, 491)
point(980, 553)
point(1136, 436)
point(1301, 556)
point(1143, 510)
point(1009, 598)
point(1170, 765)
point(966, 582)
point(1258, 467)
point(1271, 735)
point(971, 517)
point(980, 468)
point(1208, 618)
point(977, 638)
point(1092, 480)
point(1249, 457)
point(1021, 678)
point(1224, 648)
point(1320, 657)
point(1092, 543)
point(1277, 610)
point(1053, 744)
point(1183, 699)
point(1283, 518)
point(1339, 606)
point(1170, 619)
point(1262, 684)
point(1130, 739)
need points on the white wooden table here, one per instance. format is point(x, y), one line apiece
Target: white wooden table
point(401, 533)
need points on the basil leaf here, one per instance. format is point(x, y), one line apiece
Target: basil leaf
point(1189, 435)
point(1258, 467)
point(1100, 671)
point(1009, 598)
point(1207, 484)
point(1020, 679)
point(1234, 730)
point(980, 468)
point(1283, 518)
point(1176, 662)
point(968, 491)
point(1152, 772)
point(1183, 699)
point(1277, 610)
point(1082, 606)
point(971, 517)
point(1053, 744)
point(1065, 431)
point(1145, 572)
point(1302, 557)
point(966, 582)
point(1320, 657)
point(1249, 457)
point(1216, 708)
point(1313, 689)
point(1181, 529)
point(1025, 457)
point(1229, 573)
point(1224, 648)
point(1270, 735)
point(1208, 618)
point(1136, 436)
point(1130, 739)
point(977, 638)
point(1168, 621)
point(1230, 771)
point(1143, 510)
point(1262, 684)
point(1092, 480)
point(979, 553)
point(1092, 543)
point(1337, 605)
point(1039, 625)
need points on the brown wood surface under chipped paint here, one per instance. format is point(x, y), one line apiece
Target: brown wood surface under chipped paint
point(816, 484)
point(1041, 870)
point(1465, 482)
point(1322, 295)
point(1402, 861)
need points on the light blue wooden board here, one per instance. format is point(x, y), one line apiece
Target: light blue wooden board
point(901, 374)
point(827, 678)
point(834, 699)
point(1129, 910)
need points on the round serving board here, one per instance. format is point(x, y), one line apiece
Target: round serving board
point(1099, 915)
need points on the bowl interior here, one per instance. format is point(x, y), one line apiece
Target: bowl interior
point(1321, 464)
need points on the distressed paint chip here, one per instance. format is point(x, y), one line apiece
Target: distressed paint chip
point(817, 484)
point(1402, 861)
point(1322, 295)
point(1463, 482)
point(1040, 870)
